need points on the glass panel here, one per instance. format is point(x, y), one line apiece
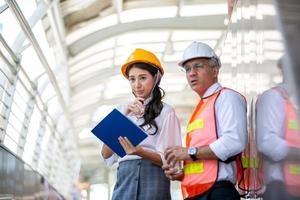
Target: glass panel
point(10, 144)
point(54, 107)
point(48, 93)
point(13, 134)
point(44, 159)
point(18, 106)
point(31, 63)
point(4, 84)
point(15, 123)
point(27, 7)
point(25, 81)
point(9, 27)
point(40, 35)
point(22, 95)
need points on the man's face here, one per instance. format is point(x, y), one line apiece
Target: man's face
point(201, 74)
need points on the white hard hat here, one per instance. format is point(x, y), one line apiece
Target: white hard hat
point(198, 50)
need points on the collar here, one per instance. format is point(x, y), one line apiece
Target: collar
point(212, 89)
point(284, 86)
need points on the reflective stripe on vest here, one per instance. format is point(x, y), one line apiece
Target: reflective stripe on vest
point(193, 168)
point(197, 124)
point(248, 162)
point(294, 169)
point(293, 124)
point(199, 176)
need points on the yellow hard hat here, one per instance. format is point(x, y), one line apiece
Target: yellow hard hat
point(144, 56)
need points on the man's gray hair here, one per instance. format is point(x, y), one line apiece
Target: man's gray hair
point(214, 63)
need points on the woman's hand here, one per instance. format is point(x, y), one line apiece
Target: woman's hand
point(172, 173)
point(128, 147)
point(139, 151)
point(136, 107)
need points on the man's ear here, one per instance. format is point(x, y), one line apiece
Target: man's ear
point(215, 71)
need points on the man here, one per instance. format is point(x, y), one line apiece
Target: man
point(216, 132)
point(278, 139)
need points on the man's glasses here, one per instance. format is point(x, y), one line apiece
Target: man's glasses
point(188, 68)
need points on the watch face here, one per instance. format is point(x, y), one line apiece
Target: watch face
point(192, 151)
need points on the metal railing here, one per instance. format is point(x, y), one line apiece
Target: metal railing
point(28, 32)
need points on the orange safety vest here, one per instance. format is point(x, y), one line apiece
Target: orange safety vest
point(291, 169)
point(200, 175)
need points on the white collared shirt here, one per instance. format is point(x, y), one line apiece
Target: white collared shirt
point(270, 118)
point(231, 120)
point(168, 134)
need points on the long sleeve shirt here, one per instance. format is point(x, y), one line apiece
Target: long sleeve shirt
point(231, 120)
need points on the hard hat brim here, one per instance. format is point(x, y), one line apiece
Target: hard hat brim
point(181, 63)
point(125, 66)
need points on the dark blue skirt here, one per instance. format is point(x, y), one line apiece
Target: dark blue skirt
point(141, 180)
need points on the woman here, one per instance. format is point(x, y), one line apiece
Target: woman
point(139, 175)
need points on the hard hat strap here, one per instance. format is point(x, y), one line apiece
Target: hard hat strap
point(157, 78)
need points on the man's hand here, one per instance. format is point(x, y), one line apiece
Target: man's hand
point(175, 154)
point(128, 146)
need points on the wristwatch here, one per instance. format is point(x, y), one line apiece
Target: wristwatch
point(192, 151)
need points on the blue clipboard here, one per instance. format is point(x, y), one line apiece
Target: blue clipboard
point(114, 125)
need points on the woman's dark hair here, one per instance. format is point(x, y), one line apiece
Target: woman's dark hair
point(154, 107)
